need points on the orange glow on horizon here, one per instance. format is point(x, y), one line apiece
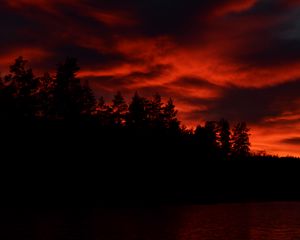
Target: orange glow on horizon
point(206, 57)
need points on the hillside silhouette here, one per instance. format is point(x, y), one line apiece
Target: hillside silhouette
point(59, 141)
point(63, 103)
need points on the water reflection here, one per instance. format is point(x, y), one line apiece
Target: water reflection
point(262, 221)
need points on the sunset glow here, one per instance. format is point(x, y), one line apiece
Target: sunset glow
point(237, 59)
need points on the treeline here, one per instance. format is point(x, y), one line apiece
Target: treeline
point(63, 98)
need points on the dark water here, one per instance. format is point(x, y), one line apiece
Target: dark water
point(262, 221)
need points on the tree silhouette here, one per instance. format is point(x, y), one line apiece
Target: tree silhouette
point(120, 109)
point(224, 138)
point(200, 137)
point(68, 91)
point(138, 112)
point(87, 101)
point(211, 144)
point(103, 113)
point(170, 116)
point(206, 140)
point(240, 140)
point(63, 101)
point(156, 112)
point(23, 86)
point(45, 96)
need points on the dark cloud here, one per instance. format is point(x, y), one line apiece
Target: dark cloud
point(255, 104)
point(194, 82)
point(237, 59)
point(91, 58)
point(17, 30)
point(153, 72)
point(278, 52)
point(292, 141)
point(133, 80)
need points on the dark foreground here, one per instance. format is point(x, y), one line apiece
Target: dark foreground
point(63, 169)
point(272, 220)
point(90, 185)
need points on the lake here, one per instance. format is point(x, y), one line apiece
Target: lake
point(251, 221)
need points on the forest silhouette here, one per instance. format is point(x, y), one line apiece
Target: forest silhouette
point(62, 102)
point(135, 151)
point(64, 105)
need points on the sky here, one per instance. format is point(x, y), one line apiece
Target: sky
point(233, 59)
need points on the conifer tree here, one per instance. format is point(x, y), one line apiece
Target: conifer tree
point(138, 114)
point(120, 109)
point(170, 115)
point(24, 86)
point(68, 91)
point(240, 140)
point(156, 112)
point(103, 112)
point(45, 96)
point(224, 138)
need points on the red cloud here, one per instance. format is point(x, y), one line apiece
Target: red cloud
point(112, 18)
point(36, 54)
point(223, 48)
point(234, 6)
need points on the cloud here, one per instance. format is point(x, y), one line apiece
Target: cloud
point(194, 82)
point(237, 59)
point(292, 141)
point(234, 7)
point(255, 105)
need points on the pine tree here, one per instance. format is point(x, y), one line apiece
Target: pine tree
point(156, 112)
point(103, 112)
point(88, 101)
point(138, 112)
point(207, 140)
point(200, 137)
point(120, 109)
point(46, 87)
point(68, 91)
point(240, 140)
point(170, 116)
point(211, 130)
point(100, 104)
point(224, 138)
point(24, 86)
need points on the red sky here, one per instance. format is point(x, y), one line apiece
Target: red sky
point(224, 58)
